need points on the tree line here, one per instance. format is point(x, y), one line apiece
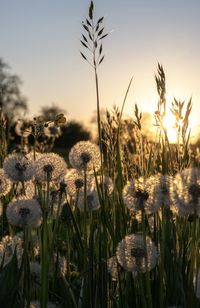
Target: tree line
point(14, 106)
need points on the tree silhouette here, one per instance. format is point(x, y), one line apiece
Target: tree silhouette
point(72, 132)
point(12, 102)
point(49, 113)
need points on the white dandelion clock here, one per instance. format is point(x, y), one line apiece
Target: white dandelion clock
point(136, 254)
point(24, 212)
point(23, 128)
point(92, 201)
point(18, 168)
point(5, 184)
point(52, 131)
point(186, 192)
point(138, 195)
point(50, 167)
point(85, 155)
point(74, 181)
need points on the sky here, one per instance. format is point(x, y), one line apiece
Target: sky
point(40, 40)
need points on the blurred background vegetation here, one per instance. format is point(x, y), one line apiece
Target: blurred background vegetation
point(15, 107)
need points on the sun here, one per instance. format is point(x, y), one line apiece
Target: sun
point(169, 125)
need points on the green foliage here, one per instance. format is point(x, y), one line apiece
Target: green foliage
point(9, 283)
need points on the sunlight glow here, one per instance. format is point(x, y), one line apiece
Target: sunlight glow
point(169, 125)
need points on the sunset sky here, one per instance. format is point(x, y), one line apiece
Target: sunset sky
point(40, 41)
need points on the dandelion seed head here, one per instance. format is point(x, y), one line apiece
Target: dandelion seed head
point(135, 254)
point(51, 167)
point(92, 201)
point(186, 192)
point(52, 131)
point(148, 194)
point(138, 196)
point(18, 168)
point(74, 181)
point(48, 168)
point(24, 212)
point(85, 155)
point(138, 252)
point(23, 128)
point(79, 183)
point(135, 195)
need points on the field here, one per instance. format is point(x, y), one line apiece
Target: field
point(112, 222)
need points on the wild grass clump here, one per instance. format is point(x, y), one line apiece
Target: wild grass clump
point(116, 226)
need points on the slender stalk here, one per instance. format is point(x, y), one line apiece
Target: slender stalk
point(75, 226)
point(55, 230)
point(99, 123)
point(67, 286)
point(85, 242)
point(85, 220)
point(44, 252)
point(26, 272)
